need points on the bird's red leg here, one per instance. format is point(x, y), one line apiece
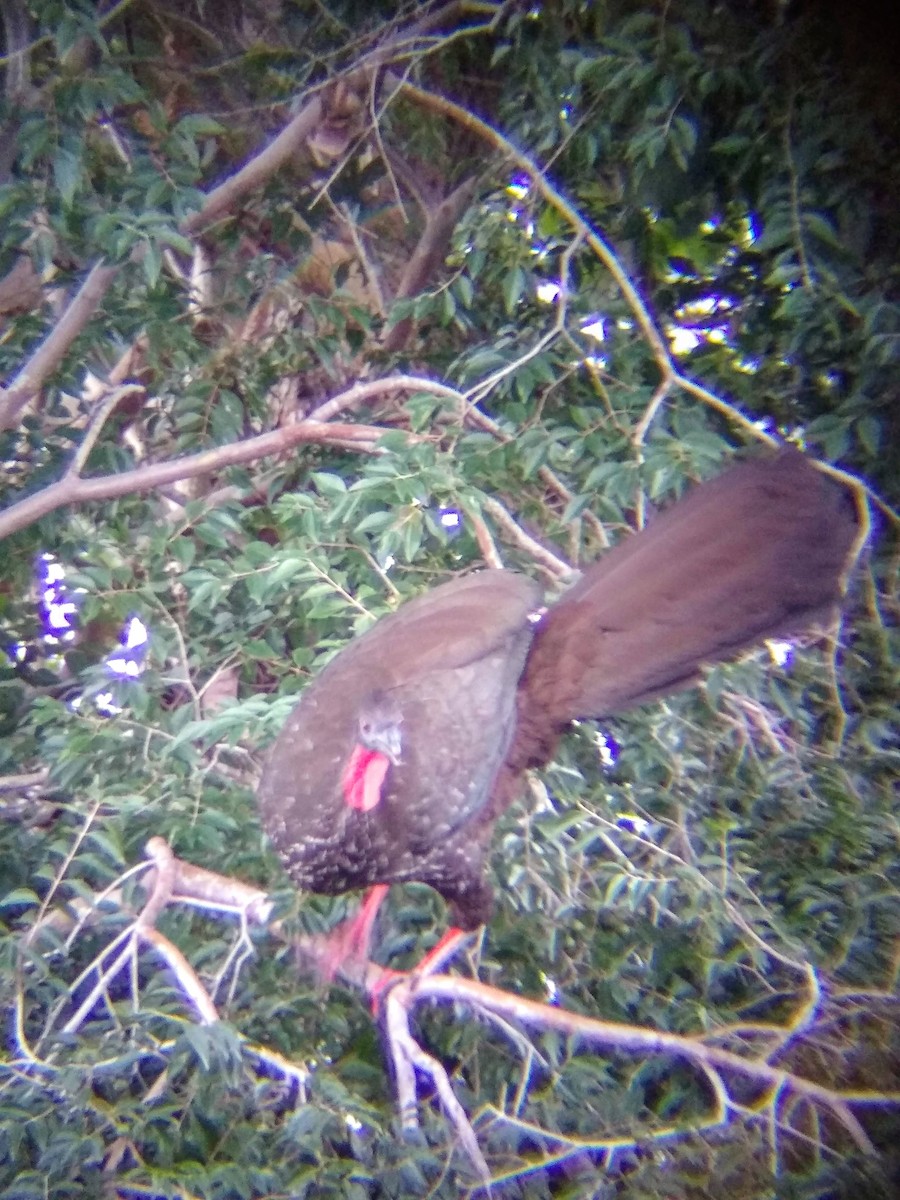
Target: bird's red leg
point(364, 921)
point(351, 938)
point(442, 952)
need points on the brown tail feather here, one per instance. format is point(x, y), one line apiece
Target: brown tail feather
point(758, 552)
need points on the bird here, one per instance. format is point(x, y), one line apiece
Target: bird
point(402, 753)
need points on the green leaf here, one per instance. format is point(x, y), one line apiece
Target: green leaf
point(68, 167)
point(514, 288)
point(20, 897)
point(198, 124)
point(868, 430)
point(151, 262)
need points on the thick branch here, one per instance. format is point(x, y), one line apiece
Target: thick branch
point(72, 489)
point(258, 170)
point(634, 1039)
point(285, 146)
point(220, 200)
point(50, 352)
point(427, 256)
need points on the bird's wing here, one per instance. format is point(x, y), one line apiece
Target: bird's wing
point(451, 626)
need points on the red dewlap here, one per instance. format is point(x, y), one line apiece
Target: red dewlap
point(363, 778)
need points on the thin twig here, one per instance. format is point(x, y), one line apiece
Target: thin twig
point(176, 880)
point(546, 559)
point(483, 537)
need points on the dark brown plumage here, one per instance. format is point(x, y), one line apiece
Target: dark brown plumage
point(474, 690)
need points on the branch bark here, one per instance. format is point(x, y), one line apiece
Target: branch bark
point(175, 881)
point(427, 256)
point(73, 489)
point(219, 201)
point(47, 357)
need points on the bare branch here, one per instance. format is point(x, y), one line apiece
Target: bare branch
point(556, 199)
point(546, 559)
point(427, 256)
point(259, 169)
point(294, 137)
point(361, 392)
point(220, 200)
point(485, 540)
point(183, 972)
point(405, 1048)
point(47, 357)
point(99, 418)
point(72, 489)
point(190, 883)
point(16, 783)
point(633, 1039)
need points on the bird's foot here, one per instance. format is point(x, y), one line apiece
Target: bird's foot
point(382, 979)
point(379, 983)
point(442, 952)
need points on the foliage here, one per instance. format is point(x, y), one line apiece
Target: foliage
point(424, 262)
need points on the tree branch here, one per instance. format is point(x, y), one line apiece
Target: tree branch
point(546, 559)
point(427, 256)
point(174, 881)
point(220, 200)
point(72, 489)
point(47, 357)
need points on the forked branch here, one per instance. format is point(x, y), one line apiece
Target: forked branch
point(170, 880)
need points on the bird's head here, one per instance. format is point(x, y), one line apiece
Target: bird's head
point(379, 723)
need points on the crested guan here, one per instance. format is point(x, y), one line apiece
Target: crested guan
point(402, 753)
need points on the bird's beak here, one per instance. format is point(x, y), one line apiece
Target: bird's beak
point(390, 743)
point(393, 744)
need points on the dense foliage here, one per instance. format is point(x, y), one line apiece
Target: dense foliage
point(536, 267)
